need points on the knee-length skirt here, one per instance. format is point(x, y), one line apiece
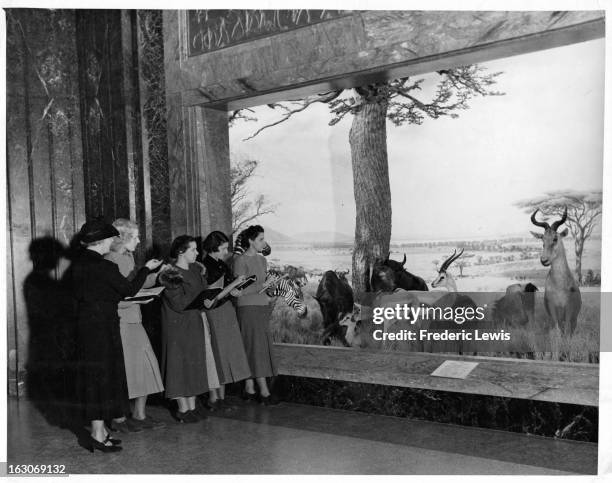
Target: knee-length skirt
point(254, 323)
point(227, 345)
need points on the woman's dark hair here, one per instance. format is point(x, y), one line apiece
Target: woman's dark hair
point(251, 233)
point(180, 245)
point(383, 279)
point(213, 241)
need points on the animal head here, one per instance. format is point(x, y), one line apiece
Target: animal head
point(383, 278)
point(342, 275)
point(444, 279)
point(552, 244)
point(394, 264)
point(351, 321)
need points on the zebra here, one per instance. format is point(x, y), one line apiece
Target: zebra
point(291, 293)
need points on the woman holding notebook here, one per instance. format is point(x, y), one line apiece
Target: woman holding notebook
point(188, 365)
point(228, 349)
point(141, 366)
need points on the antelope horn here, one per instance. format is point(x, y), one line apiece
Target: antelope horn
point(557, 224)
point(541, 224)
point(404, 262)
point(447, 262)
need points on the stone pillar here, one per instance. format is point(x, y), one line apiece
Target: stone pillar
point(198, 149)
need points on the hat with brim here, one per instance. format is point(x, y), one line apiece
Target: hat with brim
point(96, 230)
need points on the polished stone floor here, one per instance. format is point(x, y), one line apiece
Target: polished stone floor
point(297, 439)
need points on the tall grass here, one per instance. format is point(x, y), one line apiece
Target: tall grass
point(537, 341)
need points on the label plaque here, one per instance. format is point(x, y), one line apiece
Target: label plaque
point(455, 369)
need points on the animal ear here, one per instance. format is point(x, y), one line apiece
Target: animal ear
point(563, 233)
point(539, 236)
point(404, 262)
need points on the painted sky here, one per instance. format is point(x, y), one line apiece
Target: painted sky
point(449, 177)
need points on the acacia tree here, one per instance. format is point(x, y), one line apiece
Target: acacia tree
point(583, 212)
point(399, 101)
point(244, 208)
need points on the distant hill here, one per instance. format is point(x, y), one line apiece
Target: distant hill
point(323, 237)
point(276, 236)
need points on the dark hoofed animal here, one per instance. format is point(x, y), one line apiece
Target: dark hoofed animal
point(335, 297)
point(403, 278)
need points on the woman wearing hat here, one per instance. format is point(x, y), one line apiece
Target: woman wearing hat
point(98, 287)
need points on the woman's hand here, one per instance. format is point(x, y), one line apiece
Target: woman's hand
point(165, 267)
point(236, 293)
point(153, 264)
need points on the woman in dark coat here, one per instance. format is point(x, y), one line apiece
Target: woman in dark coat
point(184, 362)
point(98, 287)
point(227, 345)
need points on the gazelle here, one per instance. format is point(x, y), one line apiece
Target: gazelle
point(444, 279)
point(561, 296)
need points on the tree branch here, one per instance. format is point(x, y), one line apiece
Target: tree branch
point(301, 106)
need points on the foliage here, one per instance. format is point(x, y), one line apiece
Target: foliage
point(245, 209)
point(453, 92)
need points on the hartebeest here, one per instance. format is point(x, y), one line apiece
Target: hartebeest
point(561, 296)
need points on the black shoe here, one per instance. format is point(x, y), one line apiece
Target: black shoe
point(224, 405)
point(187, 417)
point(92, 444)
point(200, 412)
point(213, 406)
point(126, 426)
point(268, 400)
point(249, 397)
point(113, 441)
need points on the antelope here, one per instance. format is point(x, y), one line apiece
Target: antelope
point(561, 295)
point(444, 279)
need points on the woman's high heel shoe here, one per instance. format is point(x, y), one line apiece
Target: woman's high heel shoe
point(92, 444)
point(113, 441)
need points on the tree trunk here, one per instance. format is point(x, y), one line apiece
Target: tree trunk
point(578, 248)
point(368, 140)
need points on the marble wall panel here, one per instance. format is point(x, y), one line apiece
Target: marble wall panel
point(153, 132)
point(177, 165)
point(102, 103)
point(45, 195)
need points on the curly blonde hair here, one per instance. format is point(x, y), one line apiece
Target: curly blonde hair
point(127, 230)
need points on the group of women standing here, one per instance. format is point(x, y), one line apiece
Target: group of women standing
point(202, 351)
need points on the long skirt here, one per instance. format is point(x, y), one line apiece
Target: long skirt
point(254, 323)
point(211, 367)
point(227, 345)
point(101, 383)
point(141, 366)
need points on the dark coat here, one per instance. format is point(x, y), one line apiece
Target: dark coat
point(98, 286)
point(183, 344)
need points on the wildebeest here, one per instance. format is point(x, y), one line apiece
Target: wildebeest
point(561, 295)
point(403, 278)
point(516, 307)
point(335, 297)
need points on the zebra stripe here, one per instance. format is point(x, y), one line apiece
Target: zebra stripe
point(290, 293)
